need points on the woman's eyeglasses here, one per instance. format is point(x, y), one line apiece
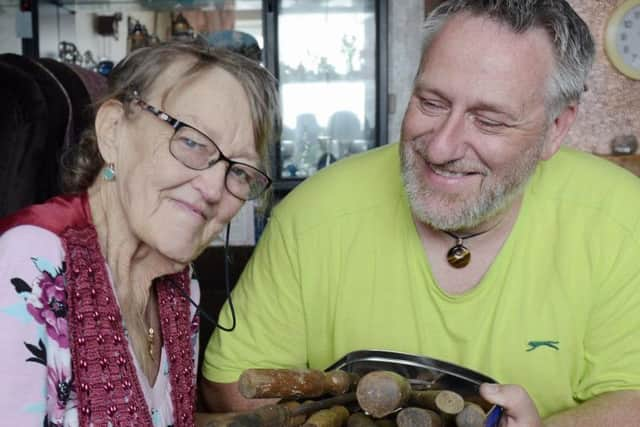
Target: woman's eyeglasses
point(197, 151)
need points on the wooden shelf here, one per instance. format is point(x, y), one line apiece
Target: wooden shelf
point(627, 161)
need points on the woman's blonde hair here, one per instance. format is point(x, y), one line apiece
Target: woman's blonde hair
point(82, 162)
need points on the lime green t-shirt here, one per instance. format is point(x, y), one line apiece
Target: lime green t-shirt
point(340, 267)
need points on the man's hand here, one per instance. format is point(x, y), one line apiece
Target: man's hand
point(519, 409)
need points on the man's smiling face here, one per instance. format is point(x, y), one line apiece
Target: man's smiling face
point(476, 126)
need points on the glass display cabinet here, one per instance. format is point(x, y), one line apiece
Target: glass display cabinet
point(329, 57)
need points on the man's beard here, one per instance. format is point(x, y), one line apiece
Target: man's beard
point(445, 211)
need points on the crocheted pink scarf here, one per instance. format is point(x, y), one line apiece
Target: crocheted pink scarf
point(104, 374)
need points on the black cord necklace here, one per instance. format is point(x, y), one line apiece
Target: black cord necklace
point(459, 255)
point(207, 316)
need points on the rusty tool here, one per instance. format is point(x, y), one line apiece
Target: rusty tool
point(380, 393)
point(294, 383)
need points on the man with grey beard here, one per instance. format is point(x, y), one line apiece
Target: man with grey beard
point(477, 239)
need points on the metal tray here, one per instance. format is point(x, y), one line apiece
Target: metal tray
point(423, 373)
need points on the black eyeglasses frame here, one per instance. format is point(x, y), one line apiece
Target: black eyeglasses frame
point(178, 124)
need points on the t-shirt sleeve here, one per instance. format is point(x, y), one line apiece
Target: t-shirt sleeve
point(612, 341)
point(270, 329)
point(30, 260)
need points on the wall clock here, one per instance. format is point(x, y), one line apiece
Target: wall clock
point(622, 38)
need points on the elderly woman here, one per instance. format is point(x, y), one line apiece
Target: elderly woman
point(96, 326)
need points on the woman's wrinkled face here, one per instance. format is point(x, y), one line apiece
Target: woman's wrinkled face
point(175, 210)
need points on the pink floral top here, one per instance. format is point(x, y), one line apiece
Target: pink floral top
point(37, 378)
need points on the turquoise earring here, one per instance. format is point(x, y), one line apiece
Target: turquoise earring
point(109, 172)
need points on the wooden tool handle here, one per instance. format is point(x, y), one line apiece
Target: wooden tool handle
point(212, 420)
point(317, 405)
point(385, 423)
point(444, 401)
point(288, 414)
point(418, 417)
point(267, 416)
point(279, 415)
point(471, 416)
point(333, 417)
point(359, 419)
point(293, 383)
point(380, 393)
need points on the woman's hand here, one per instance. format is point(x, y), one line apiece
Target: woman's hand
point(519, 409)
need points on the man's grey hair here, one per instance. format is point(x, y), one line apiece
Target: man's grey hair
point(571, 39)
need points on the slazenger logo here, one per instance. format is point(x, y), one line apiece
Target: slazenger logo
point(533, 345)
